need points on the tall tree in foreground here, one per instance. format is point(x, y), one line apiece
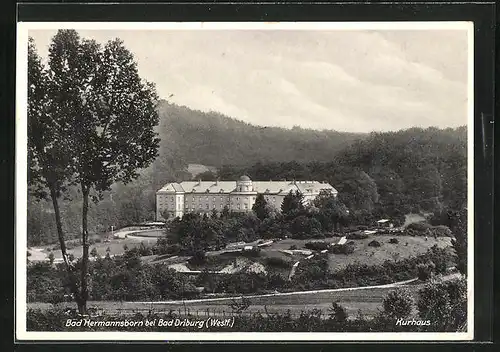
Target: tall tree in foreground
point(49, 163)
point(111, 116)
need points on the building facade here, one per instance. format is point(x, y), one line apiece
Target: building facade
point(176, 199)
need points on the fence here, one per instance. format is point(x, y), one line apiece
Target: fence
point(183, 312)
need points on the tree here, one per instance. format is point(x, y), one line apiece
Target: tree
point(225, 212)
point(260, 207)
point(357, 190)
point(398, 304)
point(332, 213)
point(93, 252)
point(165, 214)
point(49, 163)
point(51, 258)
point(107, 114)
point(434, 305)
point(293, 204)
point(338, 314)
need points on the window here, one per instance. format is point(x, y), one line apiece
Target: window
point(238, 206)
point(213, 206)
point(208, 207)
point(221, 199)
point(221, 206)
point(246, 206)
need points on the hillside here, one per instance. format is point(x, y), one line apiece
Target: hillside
point(213, 139)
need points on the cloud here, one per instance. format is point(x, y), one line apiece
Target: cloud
point(343, 80)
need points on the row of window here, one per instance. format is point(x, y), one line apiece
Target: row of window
point(207, 206)
point(160, 203)
point(214, 199)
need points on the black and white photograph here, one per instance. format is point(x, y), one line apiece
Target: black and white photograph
point(244, 181)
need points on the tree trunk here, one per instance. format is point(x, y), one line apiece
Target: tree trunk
point(82, 304)
point(62, 244)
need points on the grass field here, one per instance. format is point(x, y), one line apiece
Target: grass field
point(365, 254)
point(368, 301)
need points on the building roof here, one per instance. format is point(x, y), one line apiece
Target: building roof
point(245, 178)
point(265, 187)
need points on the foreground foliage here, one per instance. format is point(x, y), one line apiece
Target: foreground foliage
point(448, 314)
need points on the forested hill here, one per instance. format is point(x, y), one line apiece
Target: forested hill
point(211, 138)
point(378, 173)
point(386, 174)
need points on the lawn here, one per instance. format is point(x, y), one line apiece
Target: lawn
point(115, 246)
point(364, 254)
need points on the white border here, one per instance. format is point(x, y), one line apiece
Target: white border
point(21, 185)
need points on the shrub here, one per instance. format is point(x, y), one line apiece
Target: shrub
point(198, 258)
point(441, 231)
point(252, 253)
point(424, 272)
point(347, 248)
point(317, 245)
point(278, 262)
point(357, 236)
point(293, 247)
point(421, 226)
point(394, 240)
point(374, 243)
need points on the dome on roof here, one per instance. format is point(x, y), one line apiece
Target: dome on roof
point(245, 178)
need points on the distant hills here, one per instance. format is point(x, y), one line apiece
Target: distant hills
point(210, 138)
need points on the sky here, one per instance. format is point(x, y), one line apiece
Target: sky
point(344, 80)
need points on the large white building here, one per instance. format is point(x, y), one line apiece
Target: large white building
point(239, 196)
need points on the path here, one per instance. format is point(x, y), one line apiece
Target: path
point(359, 288)
point(206, 300)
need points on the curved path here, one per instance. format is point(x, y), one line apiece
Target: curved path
point(395, 284)
point(359, 288)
